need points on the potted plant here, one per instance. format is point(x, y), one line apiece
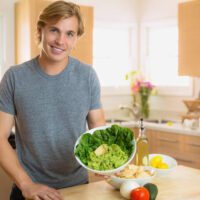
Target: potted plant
point(142, 89)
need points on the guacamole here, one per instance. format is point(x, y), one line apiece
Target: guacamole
point(112, 158)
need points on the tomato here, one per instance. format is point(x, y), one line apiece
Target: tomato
point(140, 193)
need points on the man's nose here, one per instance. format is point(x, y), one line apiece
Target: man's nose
point(60, 39)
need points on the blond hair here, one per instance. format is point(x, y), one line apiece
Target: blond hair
point(57, 11)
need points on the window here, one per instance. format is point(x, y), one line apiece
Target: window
point(2, 45)
point(161, 61)
point(113, 57)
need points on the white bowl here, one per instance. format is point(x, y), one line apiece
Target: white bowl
point(166, 159)
point(117, 181)
point(107, 172)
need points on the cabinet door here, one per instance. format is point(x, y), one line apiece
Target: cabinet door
point(84, 47)
point(192, 150)
point(185, 149)
point(26, 15)
point(171, 144)
point(168, 143)
point(189, 40)
point(135, 131)
point(151, 134)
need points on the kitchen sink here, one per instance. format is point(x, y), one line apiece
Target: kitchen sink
point(153, 121)
point(158, 121)
point(115, 120)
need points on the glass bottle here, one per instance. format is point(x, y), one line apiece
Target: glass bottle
point(142, 153)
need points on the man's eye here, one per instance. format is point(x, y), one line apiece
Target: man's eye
point(70, 34)
point(53, 30)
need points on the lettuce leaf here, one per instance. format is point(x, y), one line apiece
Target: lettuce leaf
point(115, 134)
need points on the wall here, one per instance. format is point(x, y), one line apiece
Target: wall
point(157, 9)
point(7, 11)
point(112, 10)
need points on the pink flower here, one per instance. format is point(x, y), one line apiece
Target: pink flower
point(135, 89)
point(148, 84)
point(138, 83)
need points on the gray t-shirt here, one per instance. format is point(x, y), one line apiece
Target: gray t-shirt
point(50, 114)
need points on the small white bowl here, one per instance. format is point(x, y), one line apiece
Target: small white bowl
point(107, 172)
point(117, 181)
point(172, 163)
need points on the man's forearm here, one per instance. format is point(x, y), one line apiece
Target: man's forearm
point(9, 162)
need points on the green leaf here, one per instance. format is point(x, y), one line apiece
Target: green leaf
point(115, 134)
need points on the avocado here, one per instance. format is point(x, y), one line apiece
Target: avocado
point(153, 190)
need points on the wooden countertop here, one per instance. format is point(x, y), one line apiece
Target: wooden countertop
point(181, 184)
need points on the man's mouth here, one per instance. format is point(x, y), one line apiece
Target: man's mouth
point(57, 49)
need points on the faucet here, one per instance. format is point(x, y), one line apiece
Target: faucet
point(135, 110)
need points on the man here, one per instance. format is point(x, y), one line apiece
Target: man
point(49, 98)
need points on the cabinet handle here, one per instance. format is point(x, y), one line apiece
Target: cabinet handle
point(184, 160)
point(193, 144)
point(168, 140)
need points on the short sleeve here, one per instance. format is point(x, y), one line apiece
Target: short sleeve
point(95, 91)
point(7, 93)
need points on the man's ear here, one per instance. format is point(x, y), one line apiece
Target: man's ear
point(39, 32)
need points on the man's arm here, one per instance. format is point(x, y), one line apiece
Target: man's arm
point(9, 162)
point(95, 118)
point(8, 158)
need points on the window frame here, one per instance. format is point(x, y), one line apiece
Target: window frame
point(3, 42)
point(187, 91)
point(133, 31)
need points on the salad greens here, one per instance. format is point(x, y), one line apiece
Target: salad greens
point(115, 134)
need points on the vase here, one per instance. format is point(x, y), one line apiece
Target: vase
point(144, 105)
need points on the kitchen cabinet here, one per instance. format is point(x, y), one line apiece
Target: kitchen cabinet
point(184, 148)
point(189, 40)
point(26, 15)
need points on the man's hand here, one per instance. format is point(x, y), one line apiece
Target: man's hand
point(106, 176)
point(102, 176)
point(40, 192)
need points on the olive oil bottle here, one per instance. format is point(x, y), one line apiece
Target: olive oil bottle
point(142, 153)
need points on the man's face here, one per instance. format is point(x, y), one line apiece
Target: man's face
point(58, 40)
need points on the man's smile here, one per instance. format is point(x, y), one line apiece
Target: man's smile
point(57, 49)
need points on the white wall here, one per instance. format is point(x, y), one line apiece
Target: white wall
point(112, 10)
point(7, 11)
point(157, 9)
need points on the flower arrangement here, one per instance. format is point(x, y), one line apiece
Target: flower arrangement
point(143, 88)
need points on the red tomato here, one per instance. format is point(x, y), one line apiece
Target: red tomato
point(140, 193)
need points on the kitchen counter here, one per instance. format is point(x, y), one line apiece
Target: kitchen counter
point(176, 127)
point(181, 184)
